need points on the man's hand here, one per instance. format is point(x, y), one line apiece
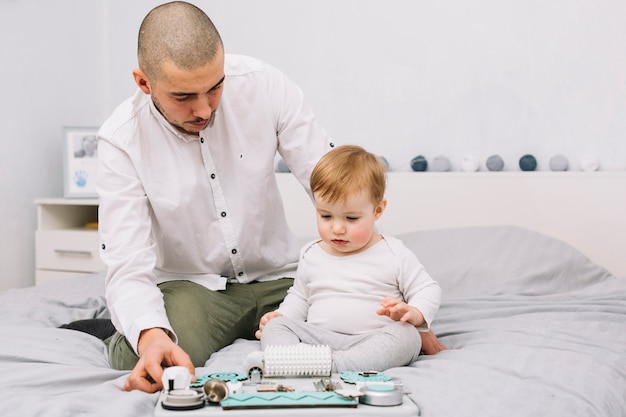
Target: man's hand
point(266, 317)
point(156, 350)
point(400, 311)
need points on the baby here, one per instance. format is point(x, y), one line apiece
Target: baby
point(363, 294)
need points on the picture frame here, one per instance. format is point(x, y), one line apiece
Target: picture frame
point(80, 162)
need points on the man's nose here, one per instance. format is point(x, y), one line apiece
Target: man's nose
point(202, 108)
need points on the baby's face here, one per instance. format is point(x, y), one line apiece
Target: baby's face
point(347, 227)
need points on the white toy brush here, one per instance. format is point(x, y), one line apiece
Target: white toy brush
point(290, 361)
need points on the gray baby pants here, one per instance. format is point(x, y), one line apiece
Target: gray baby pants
point(396, 344)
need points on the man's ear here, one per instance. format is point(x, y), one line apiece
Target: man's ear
point(380, 208)
point(141, 80)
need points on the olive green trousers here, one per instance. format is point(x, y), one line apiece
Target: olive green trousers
point(205, 321)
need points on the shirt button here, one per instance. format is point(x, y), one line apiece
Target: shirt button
point(223, 214)
point(201, 140)
point(103, 246)
point(332, 145)
point(240, 274)
point(234, 251)
point(212, 176)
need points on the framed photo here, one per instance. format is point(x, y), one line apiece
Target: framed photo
point(79, 162)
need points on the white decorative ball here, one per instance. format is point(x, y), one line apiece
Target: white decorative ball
point(589, 162)
point(470, 164)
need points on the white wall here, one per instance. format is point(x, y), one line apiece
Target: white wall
point(401, 77)
point(50, 76)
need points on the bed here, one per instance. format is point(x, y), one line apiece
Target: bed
point(533, 272)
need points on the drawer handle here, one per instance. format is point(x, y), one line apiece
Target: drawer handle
point(67, 252)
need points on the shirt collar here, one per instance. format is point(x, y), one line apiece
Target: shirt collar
point(163, 121)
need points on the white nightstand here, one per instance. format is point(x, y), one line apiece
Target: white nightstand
point(66, 239)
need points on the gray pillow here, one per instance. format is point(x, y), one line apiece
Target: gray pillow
point(492, 260)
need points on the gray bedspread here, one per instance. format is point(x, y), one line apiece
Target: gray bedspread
point(533, 329)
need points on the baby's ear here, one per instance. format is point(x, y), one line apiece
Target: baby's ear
point(380, 208)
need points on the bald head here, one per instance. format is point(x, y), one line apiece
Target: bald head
point(178, 32)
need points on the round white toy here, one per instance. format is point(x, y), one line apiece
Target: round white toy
point(589, 162)
point(470, 164)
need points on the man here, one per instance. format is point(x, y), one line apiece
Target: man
point(191, 222)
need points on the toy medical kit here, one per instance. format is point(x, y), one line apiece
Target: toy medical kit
point(282, 377)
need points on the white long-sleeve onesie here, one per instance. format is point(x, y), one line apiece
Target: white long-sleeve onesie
point(334, 300)
point(342, 293)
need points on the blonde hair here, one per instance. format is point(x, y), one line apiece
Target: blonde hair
point(346, 170)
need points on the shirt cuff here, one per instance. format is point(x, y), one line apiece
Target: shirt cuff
point(145, 322)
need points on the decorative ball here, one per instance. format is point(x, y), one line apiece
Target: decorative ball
point(528, 163)
point(589, 162)
point(385, 162)
point(419, 164)
point(559, 163)
point(470, 164)
point(282, 166)
point(441, 164)
point(495, 163)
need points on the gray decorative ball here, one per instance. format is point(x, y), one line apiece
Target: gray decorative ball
point(385, 162)
point(559, 163)
point(528, 163)
point(441, 164)
point(495, 163)
point(419, 164)
point(282, 166)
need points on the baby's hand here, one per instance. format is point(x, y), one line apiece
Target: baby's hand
point(400, 311)
point(266, 317)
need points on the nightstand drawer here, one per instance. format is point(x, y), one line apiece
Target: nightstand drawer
point(68, 250)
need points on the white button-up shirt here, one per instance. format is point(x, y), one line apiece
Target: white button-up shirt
point(201, 208)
